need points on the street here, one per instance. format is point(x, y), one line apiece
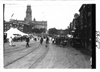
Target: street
point(39, 56)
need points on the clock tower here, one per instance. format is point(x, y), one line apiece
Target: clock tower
point(28, 14)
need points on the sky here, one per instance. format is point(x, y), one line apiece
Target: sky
point(57, 14)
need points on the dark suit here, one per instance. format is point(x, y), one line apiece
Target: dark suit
point(27, 42)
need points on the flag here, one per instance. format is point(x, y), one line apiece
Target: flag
point(12, 14)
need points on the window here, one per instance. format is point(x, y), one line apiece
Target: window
point(11, 25)
point(89, 13)
point(20, 27)
point(7, 27)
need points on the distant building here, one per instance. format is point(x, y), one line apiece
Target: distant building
point(62, 32)
point(27, 24)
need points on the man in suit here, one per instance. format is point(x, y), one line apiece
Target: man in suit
point(41, 40)
point(27, 41)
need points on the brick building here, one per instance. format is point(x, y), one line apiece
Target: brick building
point(86, 23)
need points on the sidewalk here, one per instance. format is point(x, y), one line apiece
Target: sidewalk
point(86, 52)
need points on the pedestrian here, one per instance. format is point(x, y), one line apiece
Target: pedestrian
point(27, 41)
point(10, 41)
point(35, 39)
point(52, 40)
point(91, 61)
point(41, 40)
point(47, 41)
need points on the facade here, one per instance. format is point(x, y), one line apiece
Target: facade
point(27, 24)
point(20, 25)
point(7, 26)
point(83, 27)
point(86, 23)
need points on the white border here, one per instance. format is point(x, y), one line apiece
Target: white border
point(46, 70)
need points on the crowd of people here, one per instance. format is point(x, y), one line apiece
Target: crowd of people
point(57, 40)
point(61, 41)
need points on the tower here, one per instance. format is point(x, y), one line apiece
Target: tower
point(28, 14)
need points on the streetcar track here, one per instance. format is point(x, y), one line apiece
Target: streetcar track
point(22, 56)
point(19, 49)
point(39, 59)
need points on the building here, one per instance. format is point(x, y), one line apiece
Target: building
point(20, 25)
point(83, 27)
point(27, 24)
point(86, 23)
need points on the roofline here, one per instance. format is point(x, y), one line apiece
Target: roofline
point(81, 7)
